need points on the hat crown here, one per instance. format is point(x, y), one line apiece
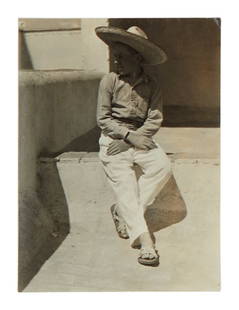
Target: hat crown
point(136, 30)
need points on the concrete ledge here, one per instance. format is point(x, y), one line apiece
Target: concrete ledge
point(190, 142)
point(49, 24)
point(88, 157)
point(40, 77)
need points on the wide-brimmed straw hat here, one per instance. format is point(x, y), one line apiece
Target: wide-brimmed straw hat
point(135, 38)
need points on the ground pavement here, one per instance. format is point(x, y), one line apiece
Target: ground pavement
point(93, 258)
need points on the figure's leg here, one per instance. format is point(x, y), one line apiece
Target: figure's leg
point(121, 176)
point(119, 222)
point(156, 168)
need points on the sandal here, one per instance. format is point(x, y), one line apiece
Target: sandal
point(119, 224)
point(145, 259)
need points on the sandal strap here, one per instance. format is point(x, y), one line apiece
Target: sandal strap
point(120, 225)
point(148, 250)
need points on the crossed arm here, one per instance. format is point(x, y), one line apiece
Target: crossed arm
point(142, 137)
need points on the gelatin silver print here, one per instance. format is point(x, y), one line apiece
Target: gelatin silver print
point(119, 154)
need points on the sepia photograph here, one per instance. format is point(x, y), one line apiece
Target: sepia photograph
point(119, 154)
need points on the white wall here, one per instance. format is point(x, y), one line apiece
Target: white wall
point(69, 49)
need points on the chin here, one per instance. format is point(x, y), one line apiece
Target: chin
point(121, 71)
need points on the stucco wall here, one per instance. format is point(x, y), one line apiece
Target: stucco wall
point(57, 112)
point(67, 49)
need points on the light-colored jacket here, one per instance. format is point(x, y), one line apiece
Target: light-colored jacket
point(122, 107)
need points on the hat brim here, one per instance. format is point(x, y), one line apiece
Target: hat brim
point(152, 53)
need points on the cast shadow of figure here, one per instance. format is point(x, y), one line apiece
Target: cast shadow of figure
point(168, 208)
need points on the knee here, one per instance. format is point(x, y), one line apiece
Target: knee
point(168, 167)
point(165, 167)
point(162, 168)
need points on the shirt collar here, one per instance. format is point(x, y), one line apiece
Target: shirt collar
point(143, 78)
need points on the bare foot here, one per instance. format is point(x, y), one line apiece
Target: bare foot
point(148, 255)
point(146, 240)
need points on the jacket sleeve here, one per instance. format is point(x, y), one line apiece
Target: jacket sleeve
point(104, 114)
point(154, 117)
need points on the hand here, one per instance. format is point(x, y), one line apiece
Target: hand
point(141, 142)
point(117, 146)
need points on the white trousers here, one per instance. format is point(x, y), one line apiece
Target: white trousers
point(133, 196)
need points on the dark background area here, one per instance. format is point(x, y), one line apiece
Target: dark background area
point(190, 78)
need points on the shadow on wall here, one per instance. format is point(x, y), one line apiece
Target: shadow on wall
point(89, 142)
point(56, 114)
point(24, 56)
point(43, 223)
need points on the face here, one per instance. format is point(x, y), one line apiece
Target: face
point(126, 59)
